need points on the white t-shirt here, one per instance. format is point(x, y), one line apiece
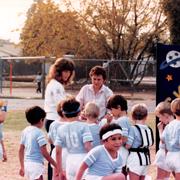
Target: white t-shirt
point(87, 94)
point(54, 93)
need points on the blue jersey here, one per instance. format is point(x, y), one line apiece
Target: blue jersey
point(171, 136)
point(100, 162)
point(33, 138)
point(137, 137)
point(124, 123)
point(73, 135)
point(94, 128)
point(53, 129)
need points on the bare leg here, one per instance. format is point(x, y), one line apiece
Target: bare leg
point(133, 176)
point(177, 176)
point(116, 176)
point(162, 174)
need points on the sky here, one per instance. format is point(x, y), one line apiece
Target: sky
point(12, 17)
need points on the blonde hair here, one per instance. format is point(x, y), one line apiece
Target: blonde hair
point(164, 107)
point(91, 110)
point(175, 106)
point(139, 111)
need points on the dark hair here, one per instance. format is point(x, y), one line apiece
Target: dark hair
point(60, 65)
point(35, 114)
point(108, 127)
point(70, 107)
point(117, 100)
point(98, 70)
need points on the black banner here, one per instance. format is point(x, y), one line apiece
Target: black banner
point(168, 74)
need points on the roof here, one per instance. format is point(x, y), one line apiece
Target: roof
point(9, 49)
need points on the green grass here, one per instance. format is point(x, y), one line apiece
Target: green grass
point(15, 121)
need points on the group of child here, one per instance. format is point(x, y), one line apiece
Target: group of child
point(106, 149)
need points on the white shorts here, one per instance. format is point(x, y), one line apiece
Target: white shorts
point(73, 163)
point(160, 160)
point(124, 155)
point(134, 166)
point(33, 170)
point(64, 157)
point(93, 177)
point(173, 161)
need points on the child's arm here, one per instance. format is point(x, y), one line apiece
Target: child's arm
point(88, 146)
point(47, 155)
point(4, 151)
point(81, 170)
point(21, 159)
point(59, 162)
point(2, 116)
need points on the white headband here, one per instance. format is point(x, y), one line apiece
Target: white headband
point(110, 133)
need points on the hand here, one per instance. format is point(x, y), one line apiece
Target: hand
point(109, 117)
point(4, 157)
point(21, 172)
point(160, 126)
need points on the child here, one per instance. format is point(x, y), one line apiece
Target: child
point(118, 107)
point(91, 113)
point(165, 115)
point(75, 136)
point(171, 138)
point(104, 161)
point(3, 155)
point(139, 158)
point(52, 136)
point(33, 145)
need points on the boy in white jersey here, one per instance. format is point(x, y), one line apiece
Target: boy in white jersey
point(165, 115)
point(91, 112)
point(139, 156)
point(104, 162)
point(33, 146)
point(171, 138)
point(75, 136)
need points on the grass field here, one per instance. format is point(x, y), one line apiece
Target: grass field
point(13, 126)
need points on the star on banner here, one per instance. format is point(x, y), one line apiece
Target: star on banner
point(177, 94)
point(169, 77)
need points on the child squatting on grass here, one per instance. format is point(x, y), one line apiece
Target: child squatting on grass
point(104, 162)
point(33, 146)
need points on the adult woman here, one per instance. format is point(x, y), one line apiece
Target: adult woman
point(60, 74)
point(96, 92)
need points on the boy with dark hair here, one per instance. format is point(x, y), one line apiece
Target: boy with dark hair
point(33, 145)
point(104, 162)
point(75, 136)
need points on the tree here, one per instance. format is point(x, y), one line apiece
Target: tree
point(172, 12)
point(125, 29)
point(51, 32)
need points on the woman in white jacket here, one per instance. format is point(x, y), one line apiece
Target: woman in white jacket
point(60, 74)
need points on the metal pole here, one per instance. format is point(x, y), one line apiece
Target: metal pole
point(43, 77)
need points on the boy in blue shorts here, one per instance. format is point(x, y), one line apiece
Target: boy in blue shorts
point(32, 149)
point(104, 162)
